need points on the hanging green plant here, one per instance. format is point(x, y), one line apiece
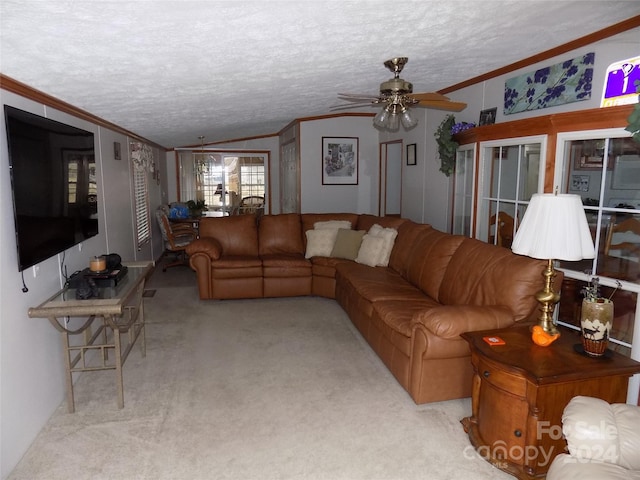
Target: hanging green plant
point(634, 119)
point(447, 146)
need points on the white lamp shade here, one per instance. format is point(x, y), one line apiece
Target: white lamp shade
point(554, 227)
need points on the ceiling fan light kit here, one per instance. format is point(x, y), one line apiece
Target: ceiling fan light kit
point(396, 94)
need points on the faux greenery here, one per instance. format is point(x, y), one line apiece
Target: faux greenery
point(591, 291)
point(634, 119)
point(447, 146)
point(196, 207)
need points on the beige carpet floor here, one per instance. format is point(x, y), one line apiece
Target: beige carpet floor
point(251, 389)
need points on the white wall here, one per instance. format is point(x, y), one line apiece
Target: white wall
point(32, 373)
point(425, 190)
point(319, 198)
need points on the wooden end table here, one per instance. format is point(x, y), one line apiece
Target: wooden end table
point(121, 310)
point(520, 391)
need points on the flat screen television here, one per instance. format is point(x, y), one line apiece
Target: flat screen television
point(53, 181)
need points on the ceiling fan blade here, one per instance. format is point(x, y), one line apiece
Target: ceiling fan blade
point(357, 96)
point(344, 106)
point(447, 105)
point(428, 96)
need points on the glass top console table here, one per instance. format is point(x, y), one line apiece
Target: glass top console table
point(114, 321)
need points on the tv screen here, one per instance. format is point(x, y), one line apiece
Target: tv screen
point(53, 181)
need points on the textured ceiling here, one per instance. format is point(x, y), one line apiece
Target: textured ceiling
point(173, 70)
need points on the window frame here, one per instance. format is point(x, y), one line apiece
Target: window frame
point(559, 183)
point(482, 201)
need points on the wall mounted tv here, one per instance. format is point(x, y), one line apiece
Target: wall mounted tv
point(53, 181)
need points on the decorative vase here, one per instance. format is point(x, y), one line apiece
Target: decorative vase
point(595, 322)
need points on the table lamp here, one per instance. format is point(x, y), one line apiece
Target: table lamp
point(554, 227)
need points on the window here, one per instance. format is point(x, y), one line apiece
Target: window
point(141, 205)
point(510, 174)
point(142, 162)
point(222, 179)
point(463, 191)
point(603, 167)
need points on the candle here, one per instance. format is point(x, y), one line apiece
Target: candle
point(98, 264)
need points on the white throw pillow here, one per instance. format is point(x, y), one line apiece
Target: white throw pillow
point(332, 224)
point(371, 250)
point(389, 235)
point(320, 242)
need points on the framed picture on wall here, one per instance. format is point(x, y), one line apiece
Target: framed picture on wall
point(589, 155)
point(579, 183)
point(411, 154)
point(488, 116)
point(339, 160)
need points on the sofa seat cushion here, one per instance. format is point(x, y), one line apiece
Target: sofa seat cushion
point(376, 283)
point(326, 266)
point(395, 319)
point(285, 265)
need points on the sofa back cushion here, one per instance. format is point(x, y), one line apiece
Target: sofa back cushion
point(408, 231)
point(429, 258)
point(484, 274)
point(280, 234)
point(237, 234)
point(309, 220)
point(366, 221)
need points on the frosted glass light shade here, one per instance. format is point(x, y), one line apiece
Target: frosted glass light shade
point(408, 120)
point(394, 122)
point(381, 120)
point(554, 227)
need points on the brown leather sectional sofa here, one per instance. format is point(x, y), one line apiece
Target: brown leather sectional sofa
point(436, 286)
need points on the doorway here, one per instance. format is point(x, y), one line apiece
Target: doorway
point(390, 188)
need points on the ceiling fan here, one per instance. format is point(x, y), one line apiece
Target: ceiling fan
point(397, 97)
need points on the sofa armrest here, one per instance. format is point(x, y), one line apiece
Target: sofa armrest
point(207, 245)
point(449, 321)
point(603, 432)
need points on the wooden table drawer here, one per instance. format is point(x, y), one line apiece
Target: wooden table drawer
point(514, 384)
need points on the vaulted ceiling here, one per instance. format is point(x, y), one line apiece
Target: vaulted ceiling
point(171, 71)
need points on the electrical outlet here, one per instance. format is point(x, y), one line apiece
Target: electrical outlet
point(36, 269)
point(80, 247)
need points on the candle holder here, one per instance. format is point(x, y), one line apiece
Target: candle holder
point(98, 264)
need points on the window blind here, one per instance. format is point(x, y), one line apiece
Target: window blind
point(143, 228)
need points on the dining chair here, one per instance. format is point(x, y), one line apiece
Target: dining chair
point(175, 237)
point(623, 239)
point(503, 228)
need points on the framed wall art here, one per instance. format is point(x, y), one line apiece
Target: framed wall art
point(117, 151)
point(488, 116)
point(579, 183)
point(339, 160)
point(411, 154)
point(589, 155)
